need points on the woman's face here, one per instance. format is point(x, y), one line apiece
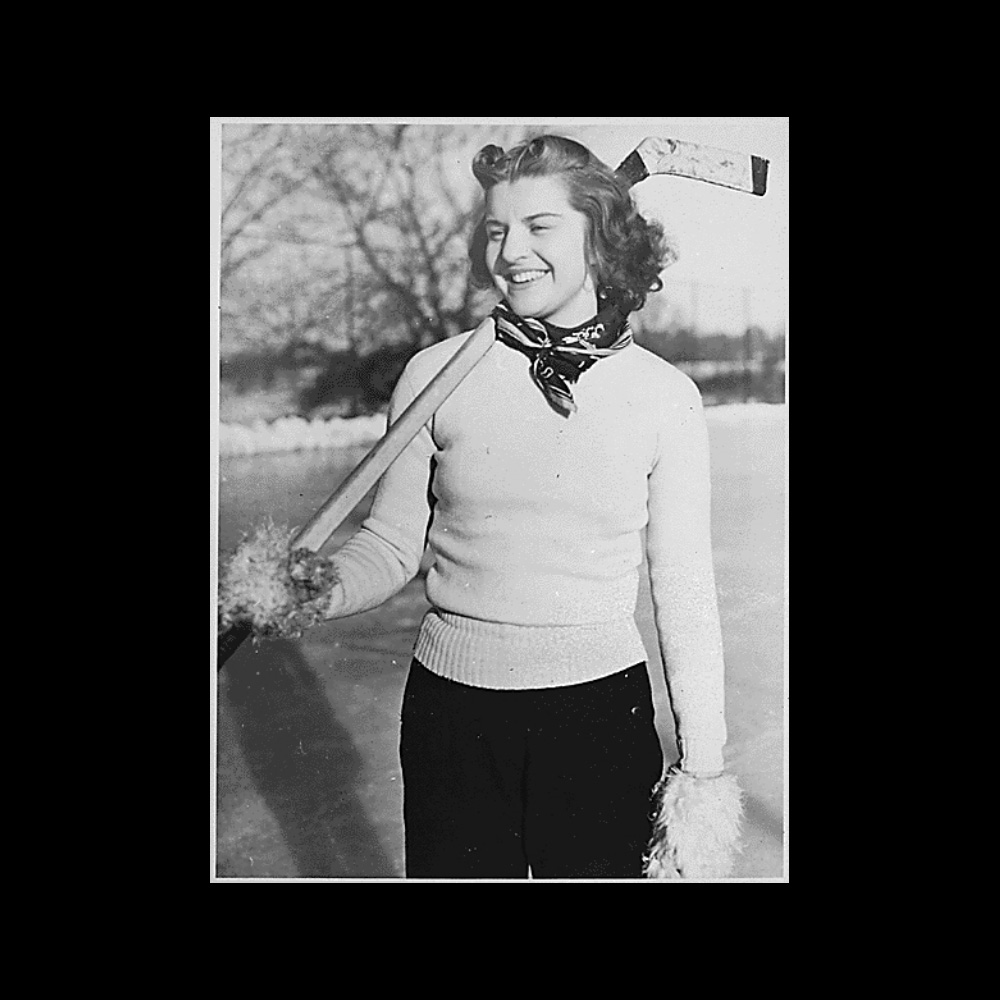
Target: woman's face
point(536, 250)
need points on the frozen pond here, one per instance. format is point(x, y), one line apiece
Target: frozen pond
point(308, 782)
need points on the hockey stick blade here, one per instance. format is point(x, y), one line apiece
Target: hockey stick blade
point(738, 171)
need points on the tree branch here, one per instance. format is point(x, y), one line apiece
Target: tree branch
point(288, 188)
point(233, 264)
point(434, 284)
point(251, 175)
point(407, 296)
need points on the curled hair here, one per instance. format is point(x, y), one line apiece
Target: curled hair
point(626, 251)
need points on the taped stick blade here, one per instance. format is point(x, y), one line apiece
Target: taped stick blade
point(632, 169)
point(674, 157)
point(758, 167)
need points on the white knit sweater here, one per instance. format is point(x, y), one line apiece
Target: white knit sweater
point(534, 521)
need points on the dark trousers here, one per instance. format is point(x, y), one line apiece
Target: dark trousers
point(557, 780)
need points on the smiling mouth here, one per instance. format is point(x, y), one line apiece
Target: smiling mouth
point(522, 278)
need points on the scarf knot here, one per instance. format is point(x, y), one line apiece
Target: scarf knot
point(560, 356)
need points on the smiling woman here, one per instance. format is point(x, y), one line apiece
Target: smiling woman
point(528, 743)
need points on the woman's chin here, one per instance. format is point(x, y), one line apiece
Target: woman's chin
point(532, 302)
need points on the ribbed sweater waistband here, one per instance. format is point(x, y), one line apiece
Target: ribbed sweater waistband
point(518, 657)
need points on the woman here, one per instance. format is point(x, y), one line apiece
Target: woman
point(528, 742)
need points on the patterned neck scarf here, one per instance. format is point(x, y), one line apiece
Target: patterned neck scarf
point(560, 356)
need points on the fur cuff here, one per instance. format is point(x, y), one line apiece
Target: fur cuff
point(276, 593)
point(696, 829)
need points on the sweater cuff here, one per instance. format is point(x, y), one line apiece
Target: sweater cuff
point(333, 603)
point(702, 757)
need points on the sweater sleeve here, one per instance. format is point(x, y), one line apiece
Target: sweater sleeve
point(682, 581)
point(384, 554)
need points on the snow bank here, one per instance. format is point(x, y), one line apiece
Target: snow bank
point(745, 412)
point(299, 434)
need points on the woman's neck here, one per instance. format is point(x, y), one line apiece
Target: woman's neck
point(580, 309)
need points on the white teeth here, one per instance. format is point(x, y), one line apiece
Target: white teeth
point(522, 276)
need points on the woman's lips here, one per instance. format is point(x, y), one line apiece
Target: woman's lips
point(522, 279)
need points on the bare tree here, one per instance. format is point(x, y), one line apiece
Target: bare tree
point(368, 223)
point(257, 176)
point(344, 249)
point(408, 212)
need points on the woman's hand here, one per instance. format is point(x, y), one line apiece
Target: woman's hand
point(275, 592)
point(312, 575)
point(696, 828)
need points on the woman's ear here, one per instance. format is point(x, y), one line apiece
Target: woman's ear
point(592, 282)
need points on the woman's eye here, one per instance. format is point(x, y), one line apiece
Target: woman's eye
point(493, 235)
point(540, 229)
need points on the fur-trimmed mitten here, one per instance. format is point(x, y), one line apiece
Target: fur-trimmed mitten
point(697, 826)
point(276, 592)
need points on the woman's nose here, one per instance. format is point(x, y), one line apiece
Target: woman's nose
point(514, 246)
